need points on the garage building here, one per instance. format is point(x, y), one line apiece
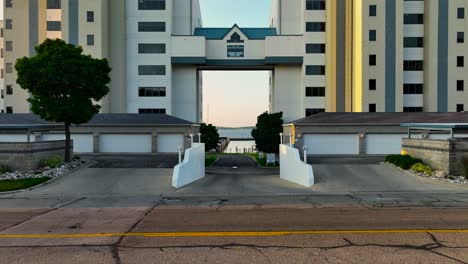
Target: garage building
point(109, 133)
point(363, 133)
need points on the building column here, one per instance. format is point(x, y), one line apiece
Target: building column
point(96, 142)
point(362, 143)
point(154, 142)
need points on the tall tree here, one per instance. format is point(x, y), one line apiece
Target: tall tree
point(65, 85)
point(267, 130)
point(209, 136)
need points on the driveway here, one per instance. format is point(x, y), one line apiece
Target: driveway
point(236, 175)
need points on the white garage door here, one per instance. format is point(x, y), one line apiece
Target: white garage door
point(82, 143)
point(16, 137)
point(380, 144)
point(332, 144)
point(169, 143)
point(125, 143)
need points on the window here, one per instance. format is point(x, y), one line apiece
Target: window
point(9, 23)
point(461, 13)
point(54, 4)
point(151, 26)
point(460, 61)
point(460, 85)
point(413, 42)
point(460, 37)
point(314, 111)
point(413, 19)
point(9, 110)
point(460, 108)
point(315, 48)
point(151, 4)
point(9, 45)
point(90, 40)
point(315, 26)
point(8, 67)
point(2, 73)
point(54, 26)
point(315, 91)
point(9, 89)
point(90, 16)
point(372, 10)
point(1, 54)
point(2, 94)
point(235, 51)
point(151, 48)
point(315, 5)
point(8, 3)
point(412, 109)
point(413, 88)
point(413, 65)
point(152, 92)
point(315, 70)
point(1, 33)
point(235, 38)
point(152, 111)
point(372, 84)
point(372, 60)
point(372, 35)
point(372, 108)
point(151, 70)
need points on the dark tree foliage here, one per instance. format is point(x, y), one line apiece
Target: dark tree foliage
point(65, 85)
point(209, 136)
point(266, 132)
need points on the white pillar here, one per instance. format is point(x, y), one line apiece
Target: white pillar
point(180, 154)
point(199, 137)
point(191, 140)
point(281, 138)
point(305, 148)
point(290, 139)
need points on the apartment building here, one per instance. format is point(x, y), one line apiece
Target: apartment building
point(323, 55)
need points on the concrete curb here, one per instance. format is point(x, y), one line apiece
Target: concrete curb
point(425, 179)
point(87, 164)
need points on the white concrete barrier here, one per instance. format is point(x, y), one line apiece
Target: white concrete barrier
point(293, 169)
point(192, 167)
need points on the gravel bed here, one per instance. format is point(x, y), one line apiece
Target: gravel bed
point(42, 172)
point(443, 177)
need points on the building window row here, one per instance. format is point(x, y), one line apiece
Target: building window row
point(315, 91)
point(413, 19)
point(316, 5)
point(54, 26)
point(413, 42)
point(315, 26)
point(234, 51)
point(314, 111)
point(315, 48)
point(413, 109)
point(410, 65)
point(54, 4)
point(315, 70)
point(151, 26)
point(151, 4)
point(152, 91)
point(152, 111)
point(460, 108)
point(151, 70)
point(149, 48)
point(413, 88)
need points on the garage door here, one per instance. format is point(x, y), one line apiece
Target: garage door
point(332, 144)
point(16, 138)
point(125, 143)
point(169, 143)
point(82, 143)
point(382, 144)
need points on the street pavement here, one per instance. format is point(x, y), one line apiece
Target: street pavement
point(359, 212)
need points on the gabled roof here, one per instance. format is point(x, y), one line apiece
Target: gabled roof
point(221, 33)
point(99, 119)
point(332, 119)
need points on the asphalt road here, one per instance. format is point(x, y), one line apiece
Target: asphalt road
point(131, 231)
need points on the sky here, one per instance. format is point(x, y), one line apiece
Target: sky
point(235, 98)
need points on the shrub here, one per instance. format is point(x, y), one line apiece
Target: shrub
point(4, 169)
point(419, 167)
point(465, 164)
point(53, 162)
point(403, 161)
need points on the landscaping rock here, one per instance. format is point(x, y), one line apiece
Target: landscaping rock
point(440, 174)
point(43, 172)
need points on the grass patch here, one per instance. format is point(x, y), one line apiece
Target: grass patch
point(262, 162)
point(403, 161)
point(419, 167)
point(13, 185)
point(210, 160)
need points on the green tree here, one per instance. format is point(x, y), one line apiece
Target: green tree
point(266, 132)
point(65, 85)
point(209, 136)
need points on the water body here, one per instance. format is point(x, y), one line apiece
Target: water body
point(238, 133)
point(240, 146)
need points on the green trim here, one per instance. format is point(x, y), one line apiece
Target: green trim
point(188, 60)
point(284, 60)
